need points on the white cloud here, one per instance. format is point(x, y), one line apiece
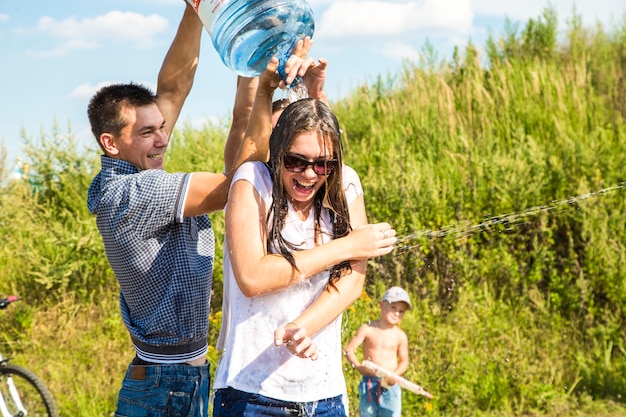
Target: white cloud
point(521, 10)
point(64, 49)
point(85, 91)
point(4, 17)
point(116, 26)
point(165, 2)
point(375, 18)
point(400, 51)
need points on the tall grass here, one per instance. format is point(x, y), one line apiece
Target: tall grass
point(461, 143)
point(517, 311)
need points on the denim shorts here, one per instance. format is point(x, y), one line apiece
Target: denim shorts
point(164, 390)
point(378, 401)
point(229, 402)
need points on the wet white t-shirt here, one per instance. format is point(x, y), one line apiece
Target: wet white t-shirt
point(250, 362)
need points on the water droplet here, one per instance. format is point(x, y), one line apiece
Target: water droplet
point(297, 91)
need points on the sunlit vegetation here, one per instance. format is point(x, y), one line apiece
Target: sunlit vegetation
point(519, 315)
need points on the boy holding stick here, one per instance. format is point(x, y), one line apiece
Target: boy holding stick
point(386, 345)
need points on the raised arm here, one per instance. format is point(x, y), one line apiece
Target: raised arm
point(255, 143)
point(255, 120)
point(179, 68)
point(244, 99)
point(209, 191)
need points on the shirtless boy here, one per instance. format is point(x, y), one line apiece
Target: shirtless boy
point(385, 344)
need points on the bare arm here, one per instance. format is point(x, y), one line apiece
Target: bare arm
point(334, 301)
point(255, 143)
point(296, 335)
point(208, 192)
point(353, 345)
point(403, 355)
point(249, 136)
point(244, 99)
point(246, 230)
point(179, 68)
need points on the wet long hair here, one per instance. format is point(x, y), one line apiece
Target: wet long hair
point(308, 115)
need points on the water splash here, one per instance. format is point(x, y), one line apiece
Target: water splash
point(502, 222)
point(297, 90)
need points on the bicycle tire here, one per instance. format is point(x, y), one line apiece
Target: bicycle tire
point(34, 395)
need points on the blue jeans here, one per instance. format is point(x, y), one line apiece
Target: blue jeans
point(229, 402)
point(377, 401)
point(164, 390)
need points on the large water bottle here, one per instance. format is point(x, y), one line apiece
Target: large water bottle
point(246, 34)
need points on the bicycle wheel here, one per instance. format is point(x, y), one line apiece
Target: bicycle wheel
point(24, 394)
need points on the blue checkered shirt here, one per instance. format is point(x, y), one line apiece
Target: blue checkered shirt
point(162, 260)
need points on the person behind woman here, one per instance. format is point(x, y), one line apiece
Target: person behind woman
point(297, 244)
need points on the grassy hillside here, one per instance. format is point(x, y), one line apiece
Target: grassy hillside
point(502, 170)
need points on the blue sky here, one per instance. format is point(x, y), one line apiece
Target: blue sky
point(56, 54)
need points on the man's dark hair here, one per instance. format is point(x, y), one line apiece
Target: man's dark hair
point(105, 107)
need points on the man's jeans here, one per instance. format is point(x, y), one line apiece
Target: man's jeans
point(164, 390)
point(229, 402)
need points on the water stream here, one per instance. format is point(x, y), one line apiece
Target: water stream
point(508, 221)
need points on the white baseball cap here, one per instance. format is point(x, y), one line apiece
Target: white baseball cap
point(394, 294)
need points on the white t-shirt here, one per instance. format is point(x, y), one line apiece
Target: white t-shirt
point(250, 361)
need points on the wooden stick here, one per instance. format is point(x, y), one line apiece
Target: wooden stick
point(404, 383)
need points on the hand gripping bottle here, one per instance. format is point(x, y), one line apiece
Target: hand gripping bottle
point(246, 34)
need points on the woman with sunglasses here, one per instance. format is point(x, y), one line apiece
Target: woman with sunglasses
point(297, 244)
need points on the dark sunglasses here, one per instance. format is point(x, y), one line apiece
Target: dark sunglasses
point(294, 163)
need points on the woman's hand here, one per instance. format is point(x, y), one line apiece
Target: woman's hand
point(371, 240)
point(298, 63)
point(269, 80)
point(294, 338)
point(315, 79)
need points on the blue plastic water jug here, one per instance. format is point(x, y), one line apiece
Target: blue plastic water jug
point(246, 34)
